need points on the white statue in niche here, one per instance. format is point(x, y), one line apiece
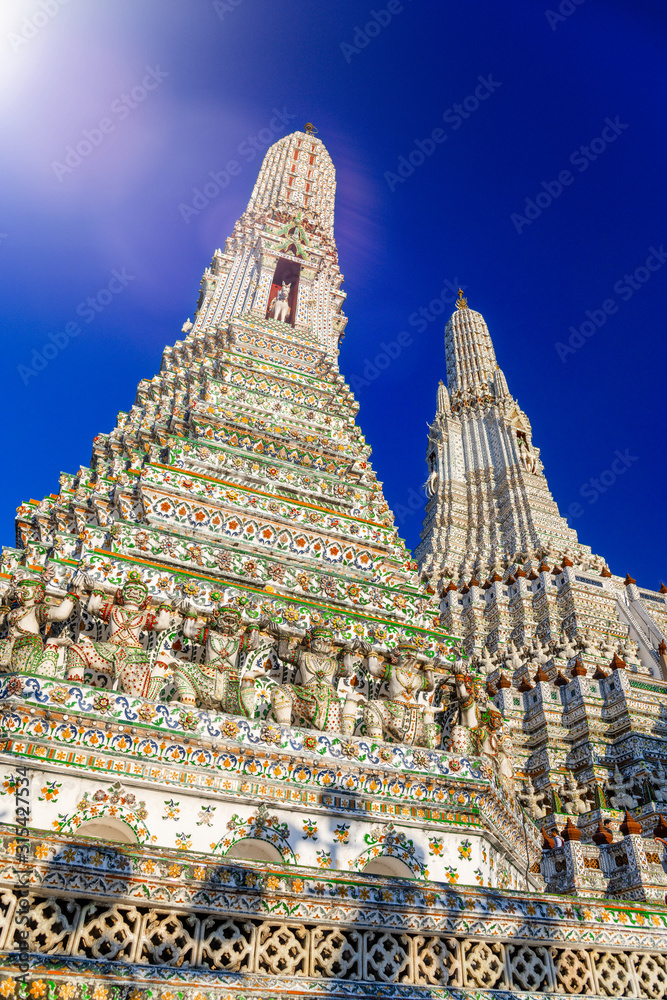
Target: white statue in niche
point(617, 791)
point(431, 484)
point(279, 309)
point(536, 802)
point(659, 782)
point(574, 797)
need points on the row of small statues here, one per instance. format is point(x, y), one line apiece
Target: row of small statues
point(226, 680)
point(499, 562)
point(534, 653)
point(617, 792)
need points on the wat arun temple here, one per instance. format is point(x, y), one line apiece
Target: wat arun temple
point(253, 747)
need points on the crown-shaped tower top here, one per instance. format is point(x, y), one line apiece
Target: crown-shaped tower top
point(280, 263)
point(471, 359)
point(297, 174)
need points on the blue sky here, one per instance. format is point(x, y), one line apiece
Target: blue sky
point(212, 75)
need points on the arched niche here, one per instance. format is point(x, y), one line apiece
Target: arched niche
point(252, 849)
point(108, 828)
point(387, 866)
point(287, 271)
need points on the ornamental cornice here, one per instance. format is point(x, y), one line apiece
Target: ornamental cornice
point(77, 715)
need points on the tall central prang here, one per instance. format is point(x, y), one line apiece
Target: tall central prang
point(240, 467)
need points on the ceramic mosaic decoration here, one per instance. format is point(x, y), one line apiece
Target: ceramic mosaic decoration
point(243, 751)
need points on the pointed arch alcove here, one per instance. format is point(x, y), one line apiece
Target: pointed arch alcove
point(289, 273)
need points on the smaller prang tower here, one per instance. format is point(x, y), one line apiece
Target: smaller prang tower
point(574, 656)
point(508, 568)
point(489, 501)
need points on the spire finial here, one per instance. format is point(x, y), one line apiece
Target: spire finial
point(461, 302)
point(309, 129)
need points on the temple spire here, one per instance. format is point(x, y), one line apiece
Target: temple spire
point(443, 398)
point(489, 498)
point(281, 260)
point(297, 173)
point(471, 359)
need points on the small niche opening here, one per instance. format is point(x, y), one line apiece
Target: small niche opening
point(249, 849)
point(287, 273)
point(108, 828)
point(388, 866)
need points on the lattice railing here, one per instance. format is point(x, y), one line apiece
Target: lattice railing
point(122, 934)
